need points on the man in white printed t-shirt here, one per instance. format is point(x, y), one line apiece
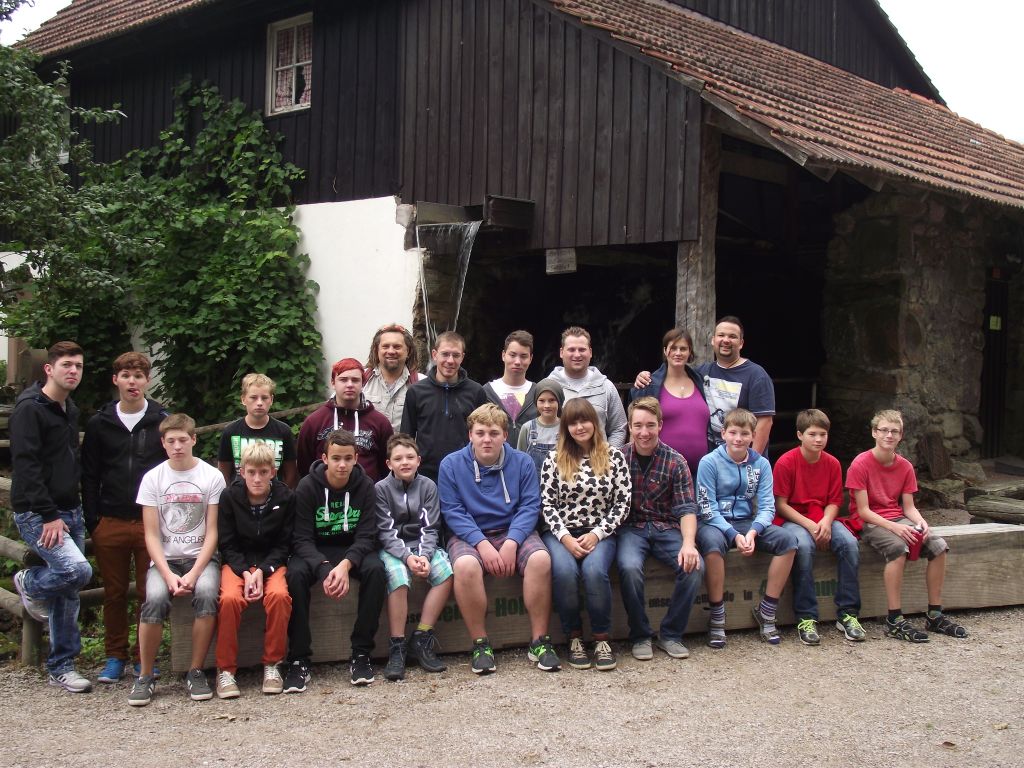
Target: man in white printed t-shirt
point(512, 392)
point(179, 500)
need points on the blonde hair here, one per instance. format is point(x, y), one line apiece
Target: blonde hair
point(257, 454)
point(568, 453)
point(887, 415)
point(257, 380)
point(489, 415)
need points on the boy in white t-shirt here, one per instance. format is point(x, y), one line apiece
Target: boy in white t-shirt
point(512, 392)
point(179, 500)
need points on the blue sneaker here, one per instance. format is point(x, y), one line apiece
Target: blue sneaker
point(113, 671)
point(138, 670)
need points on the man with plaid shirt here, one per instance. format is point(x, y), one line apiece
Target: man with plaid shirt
point(662, 522)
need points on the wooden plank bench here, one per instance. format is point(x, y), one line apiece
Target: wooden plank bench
point(985, 569)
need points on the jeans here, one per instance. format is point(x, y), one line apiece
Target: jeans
point(844, 545)
point(634, 546)
point(58, 582)
point(566, 574)
point(205, 592)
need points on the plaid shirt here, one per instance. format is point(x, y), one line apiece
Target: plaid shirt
point(664, 493)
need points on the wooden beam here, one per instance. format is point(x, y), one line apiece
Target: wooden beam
point(757, 168)
point(439, 213)
point(998, 509)
point(508, 212)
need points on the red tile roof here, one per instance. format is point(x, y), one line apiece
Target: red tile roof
point(89, 21)
point(820, 116)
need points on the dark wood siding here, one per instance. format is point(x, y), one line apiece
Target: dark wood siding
point(851, 34)
point(346, 140)
point(503, 97)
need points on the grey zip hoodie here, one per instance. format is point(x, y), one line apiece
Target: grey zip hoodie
point(408, 516)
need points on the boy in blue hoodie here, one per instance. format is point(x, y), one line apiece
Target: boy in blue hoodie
point(729, 479)
point(490, 499)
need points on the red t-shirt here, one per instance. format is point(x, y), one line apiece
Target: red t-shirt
point(885, 485)
point(808, 488)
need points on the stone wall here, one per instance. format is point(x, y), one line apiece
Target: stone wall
point(904, 301)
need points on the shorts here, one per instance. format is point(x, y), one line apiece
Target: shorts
point(398, 572)
point(892, 547)
point(532, 544)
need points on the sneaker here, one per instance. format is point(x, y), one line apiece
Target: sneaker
point(142, 691)
point(112, 671)
point(138, 670)
point(542, 653)
point(769, 632)
point(71, 681)
point(37, 609)
point(483, 657)
point(807, 631)
point(395, 668)
point(850, 626)
point(604, 656)
point(198, 686)
point(296, 677)
point(272, 682)
point(643, 650)
point(578, 657)
point(422, 650)
point(227, 688)
point(361, 669)
point(673, 648)
point(902, 629)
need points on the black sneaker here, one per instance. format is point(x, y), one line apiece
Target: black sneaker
point(542, 653)
point(296, 676)
point(483, 656)
point(198, 686)
point(395, 668)
point(578, 656)
point(142, 691)
point(362, 670)
point(421, 649)
point(807, 631)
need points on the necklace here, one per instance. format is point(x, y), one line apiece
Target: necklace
point(733, 364)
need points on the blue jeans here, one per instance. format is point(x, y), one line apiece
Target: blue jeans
point(58, 582)
point(635, 544)
point(844, 545)
point(566, 574)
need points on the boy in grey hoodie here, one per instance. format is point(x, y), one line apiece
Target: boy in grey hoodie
point(408, 519)
point(580, 379)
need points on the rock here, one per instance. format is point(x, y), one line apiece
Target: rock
point(944, 494)
point(971, 471)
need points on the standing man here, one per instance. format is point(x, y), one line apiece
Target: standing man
point(512, 392)
point(391, 369)
point(437, 406)
point(732, 381)
point(47, 511)
point(580, 379)
point(347, 410)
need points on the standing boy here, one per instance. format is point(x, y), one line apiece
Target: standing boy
point(662, 522)
point(44, 497)
point(731, 480)
point(808, 491)
point(257, 426)
point(580, 379)
point(335, 539)
point(882, 486)
point(408, 522)
point(255, 530)
point(179, 501)
point(122, 443)
point(349, 411)
point(512, 392)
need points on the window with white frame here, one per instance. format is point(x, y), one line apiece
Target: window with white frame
point(289, 64)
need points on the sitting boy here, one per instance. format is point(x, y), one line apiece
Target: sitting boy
point(335, 538)
point(408, 518)
point(258, 426)
point(882, 486)
point(729, 480)
point(179, 501)
point(808, 491)
point(255, 529)
point(490, 499)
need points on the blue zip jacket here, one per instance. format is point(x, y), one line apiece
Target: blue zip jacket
point(726, 491)
point(475, 498)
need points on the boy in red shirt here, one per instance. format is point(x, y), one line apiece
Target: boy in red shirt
point(808, 492)
point(882, 486)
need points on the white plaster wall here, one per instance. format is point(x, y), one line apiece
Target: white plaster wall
point(366, 277)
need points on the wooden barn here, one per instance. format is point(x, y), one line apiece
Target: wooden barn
point(625, 165)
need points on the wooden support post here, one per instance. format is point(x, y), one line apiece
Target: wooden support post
point(695, 259)
point(31, 639)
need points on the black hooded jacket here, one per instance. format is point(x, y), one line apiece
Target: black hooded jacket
point(246, 541)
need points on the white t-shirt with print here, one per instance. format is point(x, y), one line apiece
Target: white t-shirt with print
point(512, 398)
point(181, 500)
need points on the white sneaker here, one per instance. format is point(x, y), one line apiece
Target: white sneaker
point(37, 609)
point(227, 688)
point(71, 681)
point(272, 682)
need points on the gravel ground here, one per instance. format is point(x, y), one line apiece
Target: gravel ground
point(877, 703)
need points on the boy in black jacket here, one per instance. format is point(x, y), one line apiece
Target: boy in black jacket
point(335, 538)
point(122, 443)
point(254, 526)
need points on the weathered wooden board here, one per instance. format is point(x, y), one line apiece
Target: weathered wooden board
point(997, 509)
point(985, 568)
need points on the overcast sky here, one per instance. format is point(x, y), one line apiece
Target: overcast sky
point(972, 52)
